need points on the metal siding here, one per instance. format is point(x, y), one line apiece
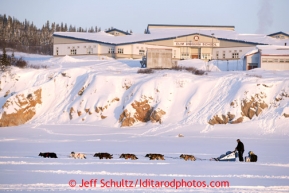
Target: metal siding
point(159, 58)
point(274, 66)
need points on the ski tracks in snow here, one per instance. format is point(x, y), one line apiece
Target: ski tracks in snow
point(218, 97)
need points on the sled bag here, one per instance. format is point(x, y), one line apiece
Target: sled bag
point(247, 159)
point(253, 158)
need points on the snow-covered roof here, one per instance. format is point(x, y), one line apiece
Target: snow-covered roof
point(164, 33)
point(280, 32)
point(118, 30)
point(274, 50)
point(269, 50)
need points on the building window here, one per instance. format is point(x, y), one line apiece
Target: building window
point(120, 50)
point(224, 56)
point(281, 60)
point(277, 36)
point(217, 56)
point(57, 52)
point(287, 61)
point(270, 60)
point(89, 50)
point(235, 55)
point(73, 52)
point(68, 47)
point(205, 56)
point(111, 50)
point(240, 50)
point(282, 37)
point(264, 60)
point(230, 51)
point(185, 54)
point(142, 52)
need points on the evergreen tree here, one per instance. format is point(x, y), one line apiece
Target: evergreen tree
point(65, 27)
point(47, 25)
point(4, 60)
point(13, 59)
point(24, 36)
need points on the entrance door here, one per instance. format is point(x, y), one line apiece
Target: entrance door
point(194, 56)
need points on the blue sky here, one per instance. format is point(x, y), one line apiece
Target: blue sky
point(248, 16)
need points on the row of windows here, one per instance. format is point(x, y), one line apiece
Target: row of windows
point(234, 55)
point(120, 50)
point(111, 50)
point(89, 50)
point(206, 56)
point(281, 37)
point(274, 60)
point(230, 51)
point(185, 54)
point(73, 52)
point(142, 52)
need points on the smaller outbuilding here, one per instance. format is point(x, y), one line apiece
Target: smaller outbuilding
point(267, 57)
point(159, 58)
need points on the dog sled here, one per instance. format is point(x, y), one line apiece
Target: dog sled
point(229, 156)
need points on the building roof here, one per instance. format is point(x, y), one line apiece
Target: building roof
point(165, 34)
point(280, 32)
point(191, 26)
point(271, 50)
point(114, 29)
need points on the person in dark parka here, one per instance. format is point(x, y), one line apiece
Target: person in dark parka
point(240, 148)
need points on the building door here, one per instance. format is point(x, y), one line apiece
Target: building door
point(195, 56)
point(252, 66)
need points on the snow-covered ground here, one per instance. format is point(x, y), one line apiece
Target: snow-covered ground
point(189, 102)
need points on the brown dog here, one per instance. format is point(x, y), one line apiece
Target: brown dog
point(103, 155)
point(188, 157)
point(128, 156)
point(155, 156)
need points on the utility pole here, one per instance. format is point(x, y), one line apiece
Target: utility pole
point(212, 46)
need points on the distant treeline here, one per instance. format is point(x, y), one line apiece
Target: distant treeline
point(26, 37)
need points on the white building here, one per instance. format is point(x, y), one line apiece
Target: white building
point(268, 57)
point(186, 42)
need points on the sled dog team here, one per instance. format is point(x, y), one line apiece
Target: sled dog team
point(151, 156)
